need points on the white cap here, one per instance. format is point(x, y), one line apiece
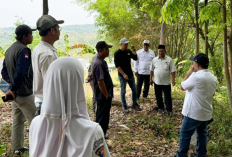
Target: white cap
point(146, 42)
point(124, 41)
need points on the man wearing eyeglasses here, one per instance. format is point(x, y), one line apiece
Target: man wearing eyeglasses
point(44, 54)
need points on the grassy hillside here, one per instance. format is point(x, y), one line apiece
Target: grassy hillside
point(86, 34)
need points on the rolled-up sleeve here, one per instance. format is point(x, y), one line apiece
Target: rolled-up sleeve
point(189, 83)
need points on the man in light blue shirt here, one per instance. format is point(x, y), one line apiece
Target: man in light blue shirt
point(142, 68)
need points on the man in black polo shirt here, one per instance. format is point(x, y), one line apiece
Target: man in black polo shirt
point(103, 86)
point(122, 60)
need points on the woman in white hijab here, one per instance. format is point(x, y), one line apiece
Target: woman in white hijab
point(64, 129)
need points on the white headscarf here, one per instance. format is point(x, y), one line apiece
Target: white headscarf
point(63, 129)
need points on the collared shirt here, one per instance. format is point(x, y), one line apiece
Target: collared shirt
point(201, 87)
point(42, 56)
point(142, 65)
point(101, 72)
point(122, 59)
point(162, 70)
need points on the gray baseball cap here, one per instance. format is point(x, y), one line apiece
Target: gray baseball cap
point(47, 21)
point(124, 41)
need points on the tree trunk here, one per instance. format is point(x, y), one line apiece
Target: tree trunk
point(226, 65)
point(45, 7)
point(206, 32)
point(163, 31)
point(163, 34)
point(197, 26)
point(230, 52)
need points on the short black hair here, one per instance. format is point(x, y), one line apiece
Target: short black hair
point(20, 37)
point(203, 66)
point(45, 32)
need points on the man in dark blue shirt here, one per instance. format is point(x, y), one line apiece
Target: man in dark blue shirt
point(103, 86)
point(122, 60)
point(17, 72)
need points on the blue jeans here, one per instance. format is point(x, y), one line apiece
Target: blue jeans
point(188, 127)
point(131, 83)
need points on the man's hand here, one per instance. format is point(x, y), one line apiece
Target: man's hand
point(191, 70)
point(151, 82)
point(9, 92)
point(88, 79)
point(125, 77)
point(173, 82)
point(133, 48)
point(136, 74)
point(107, 96)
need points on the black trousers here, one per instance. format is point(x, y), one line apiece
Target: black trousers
point(140, 80)
point(103, 113)
point(167, 95)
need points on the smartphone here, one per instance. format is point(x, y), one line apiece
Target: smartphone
point(9, 97)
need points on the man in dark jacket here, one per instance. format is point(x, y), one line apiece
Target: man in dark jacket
point(17, 72)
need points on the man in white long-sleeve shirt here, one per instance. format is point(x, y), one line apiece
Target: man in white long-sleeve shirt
point(142, 68)
point(44, 54)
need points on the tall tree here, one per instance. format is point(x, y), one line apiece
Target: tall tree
point(227, 66)
point(45, 7)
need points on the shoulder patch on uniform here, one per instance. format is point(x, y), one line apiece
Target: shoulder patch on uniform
point(97, 143)
point(26, 55)
point(100, 152)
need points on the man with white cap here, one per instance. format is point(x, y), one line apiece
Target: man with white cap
point(122, 60)
point(44, 54)
point(142, 68)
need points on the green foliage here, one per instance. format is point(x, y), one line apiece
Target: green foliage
point(118, 19)
point(2, 148)
point(67, 45)
point(220, 131)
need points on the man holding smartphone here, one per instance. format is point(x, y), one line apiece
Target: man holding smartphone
point(122, 60)
point(17, 71)
point(103, 86)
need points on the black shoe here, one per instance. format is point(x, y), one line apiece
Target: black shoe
point(160, 111)
point(21, 151)
point(137, 107)
point(109, 146)
point(169, 113)
point(125, 109)
point(106, 136)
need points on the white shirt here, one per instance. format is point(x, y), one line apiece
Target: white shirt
point(162, 70)
point(100, 147)
point(201, 87)
point(142, 65)
point(42, 56)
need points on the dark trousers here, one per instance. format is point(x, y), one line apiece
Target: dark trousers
point(140, 80)
point(187, 129)
point(103, 113)
point(167, 95)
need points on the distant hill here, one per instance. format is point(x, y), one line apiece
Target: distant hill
point(86, 34)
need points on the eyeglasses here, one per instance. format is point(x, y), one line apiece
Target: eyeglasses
point(60, 28)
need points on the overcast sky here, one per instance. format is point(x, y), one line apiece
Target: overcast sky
point(31, 10)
